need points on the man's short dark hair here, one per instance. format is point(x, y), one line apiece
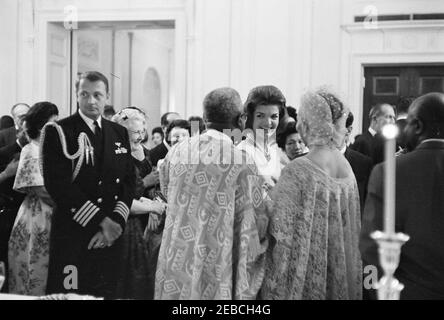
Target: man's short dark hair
point(93, 76)
point(376, 110)
point(222, 106)
point(430, 110)
point(164, 119)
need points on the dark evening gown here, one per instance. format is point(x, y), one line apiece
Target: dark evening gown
point(136, 270)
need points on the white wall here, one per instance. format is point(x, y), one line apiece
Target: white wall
point(293, 44)
point(8, 54)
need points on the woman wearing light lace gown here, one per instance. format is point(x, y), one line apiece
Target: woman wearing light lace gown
point(28, 252)
point(315, 224)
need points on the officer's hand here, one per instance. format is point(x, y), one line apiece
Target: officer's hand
point(98, 241)
point(111, 230)
point(151, 180)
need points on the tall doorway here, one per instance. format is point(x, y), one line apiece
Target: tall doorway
point(386, 84)
point(137, 57)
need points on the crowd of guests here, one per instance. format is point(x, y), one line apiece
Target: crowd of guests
point(272, 213)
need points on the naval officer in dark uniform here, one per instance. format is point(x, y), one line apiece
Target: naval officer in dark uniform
point(89, 172)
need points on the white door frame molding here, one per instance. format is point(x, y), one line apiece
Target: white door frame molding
point(383, 51)
point(176, 13)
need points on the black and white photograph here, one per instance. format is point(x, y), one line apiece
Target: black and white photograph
point(221, 150)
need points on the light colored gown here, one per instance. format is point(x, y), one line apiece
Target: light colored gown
point(28, 253)
point(316, 221)
point(315, 225)
point(269, 168)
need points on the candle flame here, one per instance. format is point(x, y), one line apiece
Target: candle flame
point(390, 131)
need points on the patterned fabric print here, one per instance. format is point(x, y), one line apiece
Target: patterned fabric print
point(28, 252)
point(211, 247)
point(315, 225)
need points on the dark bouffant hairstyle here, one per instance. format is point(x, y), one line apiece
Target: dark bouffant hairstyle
point(92, 76)
point(38, 116)
point(180, 123)
point(264, 96)
point(157, 130)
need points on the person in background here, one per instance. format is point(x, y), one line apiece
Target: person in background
point(266, 113)
point(160, 151)
point(371, 142)
point(419, 203)
point(12, 140)
point(360, 163)
point(178, 131)
point(9, 136)
point(137, 274)
point(315, 222)
point(29, 242)
point(157, 135)
point(402, 108)
point(291, 144)
point(108, 112)
point(197, 125)
point(6, 122)
point(292, 113)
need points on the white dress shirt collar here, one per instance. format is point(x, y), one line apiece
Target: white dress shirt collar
point(90, 122)
point(372, 132)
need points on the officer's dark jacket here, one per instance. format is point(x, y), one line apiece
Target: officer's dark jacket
point(101, 190)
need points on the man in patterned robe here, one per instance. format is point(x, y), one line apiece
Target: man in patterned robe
point(214, 244)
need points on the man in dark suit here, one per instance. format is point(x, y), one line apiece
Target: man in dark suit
point(12, 140)
point(419, 203)
point(402, 108)
point(361, 164)
point(160, 151)
point(92, 199)
point(371, 142)
point(9, 136)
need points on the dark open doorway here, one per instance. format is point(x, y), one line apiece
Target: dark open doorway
point(389, 83)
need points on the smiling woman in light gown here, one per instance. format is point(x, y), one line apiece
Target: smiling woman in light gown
point(265, 110)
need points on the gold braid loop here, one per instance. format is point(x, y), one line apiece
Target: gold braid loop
point(84, 153)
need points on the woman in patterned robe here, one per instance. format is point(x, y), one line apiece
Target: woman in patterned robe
point(28, 252)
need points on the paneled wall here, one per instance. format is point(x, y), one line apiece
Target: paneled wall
point(292, 44)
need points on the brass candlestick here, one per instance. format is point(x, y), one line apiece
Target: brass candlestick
point(389, 288)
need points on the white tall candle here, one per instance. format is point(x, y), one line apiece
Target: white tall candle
point(390, 132)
